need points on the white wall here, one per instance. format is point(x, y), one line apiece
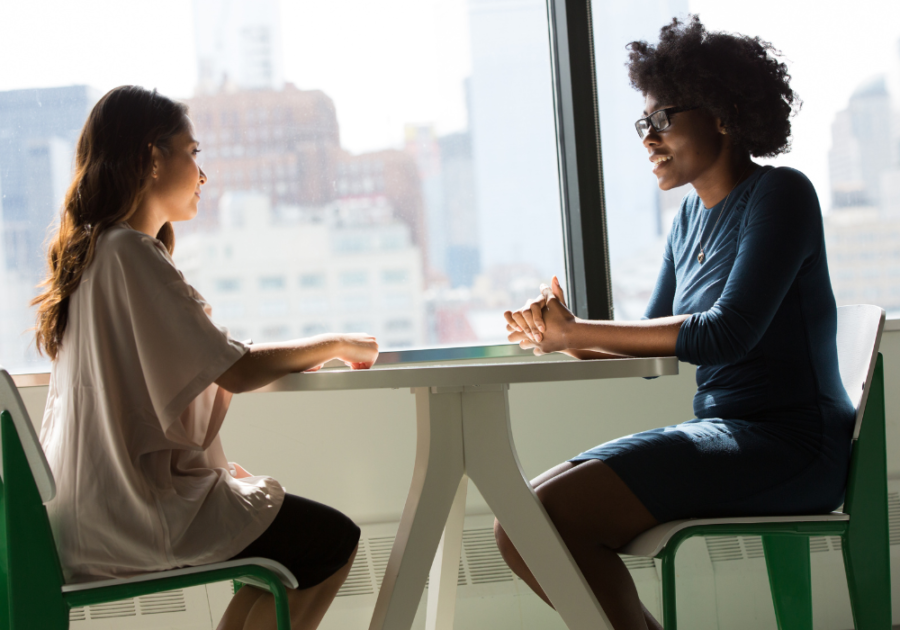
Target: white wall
point(355, 450)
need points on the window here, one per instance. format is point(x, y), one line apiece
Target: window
point(398, 301)
point(454, 180)
point(314, 305)
point(354, 278)
point(231, 311)
point(842, 138)
point(355, 302)
point(398, 325)
point(451, 180)
point(227, 285)
point(314, 329)
point(312, 280)
point(278, 332)
point(394, 276)
point(273, 308)
point(357, 325)
point(272, 283)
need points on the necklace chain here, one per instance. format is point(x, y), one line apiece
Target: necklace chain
point(702, 256)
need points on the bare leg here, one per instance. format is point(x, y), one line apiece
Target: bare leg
point(308, 606)
point(595, 513)
point(239, 608)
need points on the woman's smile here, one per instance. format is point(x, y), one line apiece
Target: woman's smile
point(660, 162)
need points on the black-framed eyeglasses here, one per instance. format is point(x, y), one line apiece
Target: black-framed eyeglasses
point(659, 120)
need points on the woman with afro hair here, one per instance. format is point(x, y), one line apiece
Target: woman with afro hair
point(743, 293)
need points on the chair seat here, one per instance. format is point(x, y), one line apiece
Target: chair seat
point(287, 578)
point(654, 540)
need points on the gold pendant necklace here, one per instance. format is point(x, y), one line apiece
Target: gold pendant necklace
point(701, 256)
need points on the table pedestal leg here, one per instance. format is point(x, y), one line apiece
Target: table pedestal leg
point(436, 479)
point(445, 570)
point(492, 464)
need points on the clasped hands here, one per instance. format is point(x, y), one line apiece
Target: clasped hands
point(544, 324)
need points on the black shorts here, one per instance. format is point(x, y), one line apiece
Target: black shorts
point(312, 540)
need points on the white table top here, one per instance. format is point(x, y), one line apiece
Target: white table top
point(389, 377)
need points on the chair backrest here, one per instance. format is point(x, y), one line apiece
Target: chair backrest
point(30, 573)
point(11, 401)
point(859, 330)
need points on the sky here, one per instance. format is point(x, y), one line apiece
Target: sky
point(830, 51)
point(385, 64)
point(394, 62)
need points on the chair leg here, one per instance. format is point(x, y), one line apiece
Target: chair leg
point(787, 561)
point(670, 614)
point(866, 561)
point(282, 608)
point(33, 613)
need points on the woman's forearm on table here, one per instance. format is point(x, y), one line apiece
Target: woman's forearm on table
point(587, 355)
point(644, 338)
point(267, 362)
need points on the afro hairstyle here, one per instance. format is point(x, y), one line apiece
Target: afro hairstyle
point(736, 78)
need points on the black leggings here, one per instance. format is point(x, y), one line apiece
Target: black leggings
point(312, 540)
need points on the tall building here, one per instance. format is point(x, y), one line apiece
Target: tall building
point(463, 258)
point(890, 180)
point(448, 192)
point(270, 275)
point(864, 257)
point(38, 132)
point(393, 175)
point(283, 143)
point(861, 147)
point(421, 144)
point(238, 45)
point(863, 228)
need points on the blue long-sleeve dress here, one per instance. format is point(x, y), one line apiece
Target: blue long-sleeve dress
point(773, 423)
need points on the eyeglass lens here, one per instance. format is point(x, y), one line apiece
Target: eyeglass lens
point(658, 120)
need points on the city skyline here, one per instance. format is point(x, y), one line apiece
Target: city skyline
point(467, 163)
point(823, 73)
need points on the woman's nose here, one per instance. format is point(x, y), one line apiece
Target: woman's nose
point(651, 139)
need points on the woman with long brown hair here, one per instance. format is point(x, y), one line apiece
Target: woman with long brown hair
point(141, 379)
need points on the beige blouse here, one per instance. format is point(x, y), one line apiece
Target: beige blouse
point(132, 422)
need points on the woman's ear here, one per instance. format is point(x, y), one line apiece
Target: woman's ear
point(721, 125)
point(155, 159)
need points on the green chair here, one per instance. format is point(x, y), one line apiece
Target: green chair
point(862, 526)
point(36, 595)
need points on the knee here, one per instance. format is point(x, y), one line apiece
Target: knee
point(504, 544)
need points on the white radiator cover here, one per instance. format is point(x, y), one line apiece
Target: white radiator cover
point(722, 584)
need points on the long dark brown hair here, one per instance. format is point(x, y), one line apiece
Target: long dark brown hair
point(113, 164)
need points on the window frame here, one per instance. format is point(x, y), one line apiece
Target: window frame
point(583, 199)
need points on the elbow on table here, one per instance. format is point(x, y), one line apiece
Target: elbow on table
point(230, 384)
point(236, 379)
